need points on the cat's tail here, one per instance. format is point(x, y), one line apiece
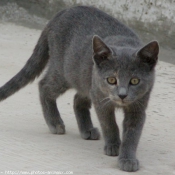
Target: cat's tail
point(32, 69)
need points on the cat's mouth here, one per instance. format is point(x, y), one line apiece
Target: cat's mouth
point(121, 103)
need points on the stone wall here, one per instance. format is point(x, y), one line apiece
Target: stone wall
point(152, 19)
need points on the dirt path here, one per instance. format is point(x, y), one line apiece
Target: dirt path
point(27, 145)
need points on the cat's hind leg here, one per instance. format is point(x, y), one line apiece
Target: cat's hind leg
point(82, 113)
point(50, 87)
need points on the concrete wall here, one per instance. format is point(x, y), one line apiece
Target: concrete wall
point(152, 19)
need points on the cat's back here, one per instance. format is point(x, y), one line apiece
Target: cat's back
point(87, 20)
point(73, 29)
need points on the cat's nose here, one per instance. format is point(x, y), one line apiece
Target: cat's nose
point(122, 92)
point(122, 96)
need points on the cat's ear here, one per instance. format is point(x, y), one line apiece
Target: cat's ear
point(149, 53)
point(101, 51)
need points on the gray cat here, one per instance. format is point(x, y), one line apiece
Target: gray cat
point(113, 70)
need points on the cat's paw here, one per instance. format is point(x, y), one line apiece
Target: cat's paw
point(111, 149)
point(58, 129)
point(91, 134)
point(129, 165)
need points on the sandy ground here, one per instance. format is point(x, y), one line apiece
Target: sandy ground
point(27, 145)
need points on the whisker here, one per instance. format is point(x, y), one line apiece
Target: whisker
point(104, 99)
point(134, 105)
point(139, 105)
point(106, 103)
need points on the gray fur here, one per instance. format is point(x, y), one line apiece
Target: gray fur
point(78, 58)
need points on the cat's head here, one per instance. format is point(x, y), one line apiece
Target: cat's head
point(124, 74)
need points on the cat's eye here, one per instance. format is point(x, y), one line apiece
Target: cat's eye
point(111, 80)
point(134, 81)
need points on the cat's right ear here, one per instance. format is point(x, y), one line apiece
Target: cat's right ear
point(149, 54)
point(101, 51)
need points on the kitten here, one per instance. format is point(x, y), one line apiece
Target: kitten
point(106, 63)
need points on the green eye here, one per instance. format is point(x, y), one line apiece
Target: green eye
point(112, 80)
point(134, 81)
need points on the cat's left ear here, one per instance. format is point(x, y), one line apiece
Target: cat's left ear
point(149, 53)
point(101, 51)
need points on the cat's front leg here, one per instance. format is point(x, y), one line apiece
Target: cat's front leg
point(106, 114)
point(132, 128)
